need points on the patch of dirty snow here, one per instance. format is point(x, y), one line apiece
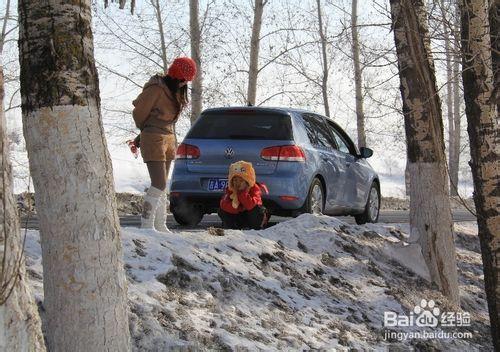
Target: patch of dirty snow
point(309, 283)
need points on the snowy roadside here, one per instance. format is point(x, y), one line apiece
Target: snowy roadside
point(131, 203)
point(307, 283)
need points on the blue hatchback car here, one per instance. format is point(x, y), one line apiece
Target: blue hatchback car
point(308, 163)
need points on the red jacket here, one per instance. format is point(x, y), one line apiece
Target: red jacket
point(248, 200)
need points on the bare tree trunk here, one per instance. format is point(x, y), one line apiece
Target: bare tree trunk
point(4, 26)
point(358, 79)
point(84, 281)
point(197, 86)
point(494, 19)
point(449, 100)
point(484, 137)
point(253, 70)
point(430, 215)
point(20, 326)
point(324, 62)
point(407, 177)
point(159, 20)
point(163, 46)
point(454, 162)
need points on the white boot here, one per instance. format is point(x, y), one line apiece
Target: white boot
point(161, 215)
point(149, 207)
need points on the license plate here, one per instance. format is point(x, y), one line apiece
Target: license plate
point(217, 184)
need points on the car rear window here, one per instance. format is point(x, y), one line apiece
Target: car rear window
point(246, 125)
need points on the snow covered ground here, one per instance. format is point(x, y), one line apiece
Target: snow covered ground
point(310, 283)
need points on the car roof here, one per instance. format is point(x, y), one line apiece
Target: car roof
point(258, 108)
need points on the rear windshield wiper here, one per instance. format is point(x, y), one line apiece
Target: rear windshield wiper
point(244, 136)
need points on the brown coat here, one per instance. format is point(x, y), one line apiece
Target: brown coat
point(156, 109)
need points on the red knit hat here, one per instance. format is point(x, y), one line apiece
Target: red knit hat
point(183, 68)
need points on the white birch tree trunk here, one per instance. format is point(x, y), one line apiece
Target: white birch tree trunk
point(358, 79)
point(84, 281)
point(324, 60)
point(197, 85)
point(253, 70)
point(20, 325)
point(484, 135)
point(430, 216)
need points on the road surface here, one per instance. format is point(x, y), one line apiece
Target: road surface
point(386, 216)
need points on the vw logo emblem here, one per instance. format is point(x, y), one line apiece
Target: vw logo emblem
point(229, 153)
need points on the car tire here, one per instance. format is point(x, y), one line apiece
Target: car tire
point(372, 207)
point(315, 202)
point(189, 215)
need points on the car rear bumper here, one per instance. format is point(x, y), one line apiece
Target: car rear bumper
point(210, 204)
point(192, 188)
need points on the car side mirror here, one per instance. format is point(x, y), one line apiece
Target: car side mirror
point(365, 152)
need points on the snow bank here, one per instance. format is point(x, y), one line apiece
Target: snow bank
point(307, 283)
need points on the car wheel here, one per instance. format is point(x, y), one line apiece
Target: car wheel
point(188, 215)
point(372, 207)
point(316, 198)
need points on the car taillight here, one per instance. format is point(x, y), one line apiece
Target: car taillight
point(187, 151)
point(271, 153)
point(283, 153)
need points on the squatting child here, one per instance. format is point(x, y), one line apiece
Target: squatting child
point(241, 205)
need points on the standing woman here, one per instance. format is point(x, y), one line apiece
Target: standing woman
point(155, 113)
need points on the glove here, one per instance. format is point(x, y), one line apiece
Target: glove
point(134, 148)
